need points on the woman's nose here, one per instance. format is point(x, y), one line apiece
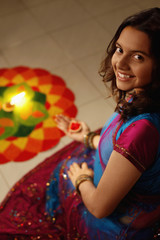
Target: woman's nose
point(123, 63)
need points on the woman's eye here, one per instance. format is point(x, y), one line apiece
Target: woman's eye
point(138, 57)
point(119, 50)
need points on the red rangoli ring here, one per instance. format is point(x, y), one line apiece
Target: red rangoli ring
point(45, 135)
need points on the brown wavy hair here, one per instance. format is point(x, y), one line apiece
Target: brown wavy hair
point(147, 21)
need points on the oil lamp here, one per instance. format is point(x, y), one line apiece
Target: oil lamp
point(15, 101)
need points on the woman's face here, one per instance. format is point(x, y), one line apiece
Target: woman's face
point(131, 61)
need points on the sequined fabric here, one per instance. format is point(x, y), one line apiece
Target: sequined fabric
point(22, 213)
point(62, 197)
point(44, 204)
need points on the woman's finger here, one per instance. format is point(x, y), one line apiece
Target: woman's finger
point(84, 165)
point(74, 167)
point(70, 175)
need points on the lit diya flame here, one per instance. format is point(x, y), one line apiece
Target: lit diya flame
point(15, 101)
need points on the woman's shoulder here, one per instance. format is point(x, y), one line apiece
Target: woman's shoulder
point(152, 118)
point(138, 139)
point(140, 122)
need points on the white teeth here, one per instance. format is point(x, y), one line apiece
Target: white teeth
point(123, 75)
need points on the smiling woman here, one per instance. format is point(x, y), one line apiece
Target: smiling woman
point(135, 55)
point(132, 62)
point(102, 186)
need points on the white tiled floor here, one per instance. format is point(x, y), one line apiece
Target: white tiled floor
point(68, 38)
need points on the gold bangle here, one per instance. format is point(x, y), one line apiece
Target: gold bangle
point(80, 179)
point(88, 139)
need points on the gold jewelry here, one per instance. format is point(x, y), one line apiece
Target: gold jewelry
point(85, 140)
point(88, 139)
point(80, 179)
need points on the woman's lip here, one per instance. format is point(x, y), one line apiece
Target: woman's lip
point(124, 76)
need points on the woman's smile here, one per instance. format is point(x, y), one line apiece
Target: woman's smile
point(123, 76)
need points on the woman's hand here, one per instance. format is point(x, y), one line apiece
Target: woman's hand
point(63, 123)
point(76, 170)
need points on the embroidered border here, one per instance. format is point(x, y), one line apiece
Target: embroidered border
point(130, 155)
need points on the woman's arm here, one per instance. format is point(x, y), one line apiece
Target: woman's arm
point(117, 180)
point(96, 141)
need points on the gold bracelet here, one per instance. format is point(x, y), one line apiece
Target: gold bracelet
point(80, 179)
point(88, 139)
point(85, 139)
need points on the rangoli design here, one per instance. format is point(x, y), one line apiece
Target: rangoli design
point(29, 101)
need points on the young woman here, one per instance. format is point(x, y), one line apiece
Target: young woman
point(109, 187)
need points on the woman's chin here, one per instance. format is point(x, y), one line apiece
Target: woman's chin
point(124, 88)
